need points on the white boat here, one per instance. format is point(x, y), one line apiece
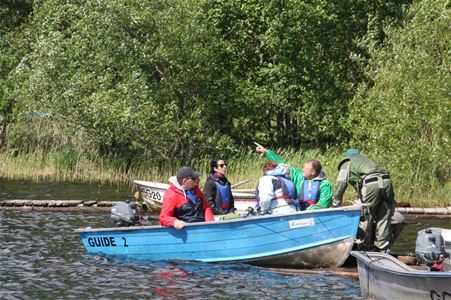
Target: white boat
point(382, 276)
point(151, 193)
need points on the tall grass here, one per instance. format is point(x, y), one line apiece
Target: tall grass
point(70, 165)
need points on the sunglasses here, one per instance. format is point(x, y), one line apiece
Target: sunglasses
point(222, 165)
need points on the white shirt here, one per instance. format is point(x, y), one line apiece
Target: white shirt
point(266, 194)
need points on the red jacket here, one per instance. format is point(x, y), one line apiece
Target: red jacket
point(174, 198)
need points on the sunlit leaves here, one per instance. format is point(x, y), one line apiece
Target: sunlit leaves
point(405, 117)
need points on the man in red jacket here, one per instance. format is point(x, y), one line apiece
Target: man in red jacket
point(184, 202)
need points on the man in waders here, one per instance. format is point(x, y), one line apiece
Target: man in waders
point(373, 185)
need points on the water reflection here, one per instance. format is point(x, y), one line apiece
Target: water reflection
point(406, 241)
point(42, 257)
point(43, 190)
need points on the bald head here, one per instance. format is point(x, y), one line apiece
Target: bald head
point(311, 169)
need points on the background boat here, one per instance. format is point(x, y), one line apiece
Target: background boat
point(151, 193)
point(307, 239)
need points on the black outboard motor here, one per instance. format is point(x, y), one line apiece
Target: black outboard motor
point(125, 214)
point(430, 248)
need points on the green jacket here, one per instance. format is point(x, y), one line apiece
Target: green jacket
point(351, 170)
point(297, 176)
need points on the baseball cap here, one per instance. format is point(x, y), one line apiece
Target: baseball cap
point(185, 172)
point(351, 152)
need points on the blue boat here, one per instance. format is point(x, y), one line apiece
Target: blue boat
point(306, 239)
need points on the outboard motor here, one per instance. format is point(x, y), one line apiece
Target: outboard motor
point(430, 248)
point(125, 214)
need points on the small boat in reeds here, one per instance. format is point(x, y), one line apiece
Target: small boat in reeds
point(151, 193)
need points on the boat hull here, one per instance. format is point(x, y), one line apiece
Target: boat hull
point(331, 255)
point(151, 193)
point(382, 276)
point(321, 238)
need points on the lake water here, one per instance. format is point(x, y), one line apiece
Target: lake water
point(41, 257)
point(23, 189)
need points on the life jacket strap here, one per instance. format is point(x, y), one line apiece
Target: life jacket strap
point(310, 202)
point(282, 197)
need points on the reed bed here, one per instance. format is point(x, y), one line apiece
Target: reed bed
point(64, 165)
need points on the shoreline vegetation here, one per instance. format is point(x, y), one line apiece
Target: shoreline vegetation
point(111, 91)
point(61, 166)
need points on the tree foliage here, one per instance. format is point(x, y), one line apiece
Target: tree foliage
point(175, 81)
point(403, 114)
point(296, 63)
point(13, 46)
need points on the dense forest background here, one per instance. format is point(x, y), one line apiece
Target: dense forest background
point(142, 82)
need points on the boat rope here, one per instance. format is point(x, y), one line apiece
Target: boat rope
point(439, 267)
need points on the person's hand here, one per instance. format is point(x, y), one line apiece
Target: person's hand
point(260, 148)
point(179, 224)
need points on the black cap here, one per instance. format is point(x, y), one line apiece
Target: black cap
point(185, 172)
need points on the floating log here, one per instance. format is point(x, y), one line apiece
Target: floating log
point(240, 183)
point(16, 203)
point(349, 272)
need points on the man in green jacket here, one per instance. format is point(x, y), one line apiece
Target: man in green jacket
point(373, 185)
point(314, 190)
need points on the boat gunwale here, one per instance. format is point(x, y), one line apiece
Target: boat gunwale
point(165, 186)
point(157, 184)
point(237, 220)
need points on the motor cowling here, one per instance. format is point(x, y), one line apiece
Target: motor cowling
point(125, 214)
point(430, 246)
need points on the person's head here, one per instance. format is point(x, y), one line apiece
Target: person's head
point(187, 177)
point(275, 169)
point(311, 169)
point(218, 165)
point(270, 165)
point(351, 152)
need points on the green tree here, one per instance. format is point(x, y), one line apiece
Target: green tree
point(137, 77)
point(187, 78)
point(296, 64)
point(403, 115)
point(13, 46)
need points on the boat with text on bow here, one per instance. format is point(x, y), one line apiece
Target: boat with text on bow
point(307, 239)
point(151, 193)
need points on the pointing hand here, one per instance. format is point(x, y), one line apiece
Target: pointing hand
point(260, 148)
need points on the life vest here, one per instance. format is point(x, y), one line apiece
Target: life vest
point(289, 195)
point(191, 211)
point(288, 189)
point(309, 193)
point(224, 191)
point(360, 167)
